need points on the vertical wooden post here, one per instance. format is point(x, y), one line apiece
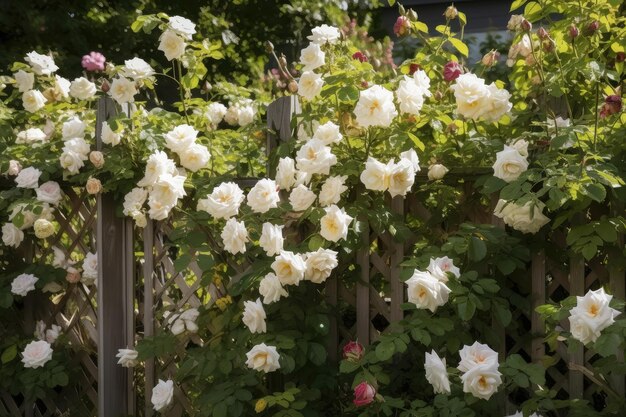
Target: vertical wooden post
point(148, 309)
point(617, 283)
point(397, 286)
point(115, 295)
point(576, 287)
point(332, 292)
point(279, 114)
point(363, 287)
point(538, 297)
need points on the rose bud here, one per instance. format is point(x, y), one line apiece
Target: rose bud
point(451, 13)
point(620, 57)
point(206, 87)
point(612, 105)
point(14, 167)
point(548, 45)
point(413, 68)
point(543, 33)
point(105, 86)
point(364, 394)
point(353, 351)
point(592, 28)
point(360, 56)
point(293, 87)
point(491, 58)
point(452, 70)
point(437, 172)
point(269, 47)
point(526, 26)
point(573, 31)
point(94, 186)
point(402, 27)
point(97, 159)
point(412, 15)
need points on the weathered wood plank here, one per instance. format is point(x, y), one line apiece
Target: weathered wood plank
point(148, 306)
point(363, 289)
point(576, 287)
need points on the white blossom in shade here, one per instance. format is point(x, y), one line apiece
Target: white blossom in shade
point(137, 69)
point(324, 34)
point(412, 157)
point(475, 355)
point(272, 239)
point(73, 128)
point(41, 64)
point(61, 86)
point(28, 178)
point(439, 268)
point(241, 112)
point(472, 95)
point(410, 96)
point(263, 196)
point(528, 218)
point(426, 291)
point(43, 228)
point(376, 175)
point(23, 284)
point(332, 189)
point(183, 26)
point(421, 80)
point(78, 145)
point(179, 322)
point(320, 264)
point(53, 333)
point(72, 161)
point(158, 164)
point(289, 268)
point(90, 268)
point(557, 123)
point(232, 115)
point(36, 354)
point(110, 137)
point(335, 224)
point(157, 209)
point(162, 394)
point(82, 89)
point(286, 173)
point(498, 104)
point(263, 358)
point(49, 192)
point(310, 85)
point(328, 133)
point(127, 357)
point(40, 330)
point(375, 107)
point(509, 164)
point(234, 236)
point(215, 113)
point(254, 316)
point(11, 235)
point(315, 158)
point(123, 90)
point(223, 202)
point(482, 381)
point(195, 157)
point(31, 136)
point(33, 100)
point(437, 172)
point(312, 57)
point(301, 198)
point(168, 189)
point(401, 178)
point(59, 260)
point(303, 178)
point(172, 45)
point(181, 137)
point(271, 289)
point(24, 81)
point(436, 373)
point(591, 315)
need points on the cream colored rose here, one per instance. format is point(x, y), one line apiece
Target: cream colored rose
point(123, 90)
point(410, 96)
point(49, 192)
point(263, 196)
point(254, 316)
point(324, 34)
point(472, 96)
point(439, 268)
point(82, 89)
point(97, 159)
point(412, 157)
point(181, 137)
point(263, 358)
point(72, 161)
point(271, 239)
point(436, 373)
point(475, 355)
point(172, 45)
point(301, 198)
point(426, 291)
point(437, 172)
point(158, 164)
point(234, 236)
point(509, 164)
point(73, 128)
point(320, 264)
point(310, 85)
point(591, 315)
point(312, 57)
point(215, 113)
point(286, 173)
point(23, 284)
point(162, 394)
point(24, 81)
point(223, 202)
point(93, 186)
point(315, 158)
point(108, 136)
point(73, 275)
point(289, 268)
point(481, 381)
point(127, 357)
point(90, 268)
point(332, 189)
point(183, 26)
point(271, 289)
point(28, 178)
point(33, 100)
point(11, 235)
point(375, 107)
point(195, 157)
point(401, 178)
point(41, 64)
point(522, 218)
point(335, 224)
point(14, 167)
point(328, 133)
point(43, 228)
point(137, 69)
point(376, 175)
point(31, 136)
point(36, 354)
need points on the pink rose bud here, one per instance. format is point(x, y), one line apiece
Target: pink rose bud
point(402, 27)
point(94, 61)
point(105, 87)
point(353, 351)
point(612, 105)
point(413, 68)
point(491, 58)
point(592, 28)
point(526, 25)
point(14, 167)
point(452, 70)
point(620, 57)
point(548, 45)
point(573, 31)
point(364, 84)
point(97, 159)
point(364, 394)
point(543, 33)
point(360, 56)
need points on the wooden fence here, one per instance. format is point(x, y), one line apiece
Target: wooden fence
point(134, 292)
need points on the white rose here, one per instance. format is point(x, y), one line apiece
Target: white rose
point(254, 316)
point(53, 333)
point(28, 178)
point(591, 315)
point(41, 64)
point(420, 78)
point(24, 81)
point(286, 173)
point(271, 239)
point(439, 267)
point(82, 89)
point(137, 69)
point(183, 26)
point(158, 164)
point(232, 115)
point(245, 114)
point(14, 168)
point(172, 45)
point(168, 189)
point(334, 224)
point(189, 317)
point(90, 268)
point(481, 381)
point(215, 113)
point(412, 157)
point(61, 87)
point(375, 107)
point(410, 96)
point(315, 158)
point(289, 268)
point(33, 100)
point(332, 189)
point(312, 57)
point(320, 264)
point(181, 137)
point(271, 289)
point(324, 34)
point(36, 354)
point(521, 217)
point(437, 172)
point(127, 357)
point(195, 157)
point(74, 128)
point(11, 235)
point(263, 358)
point(476, 355)
point(376, 175)
point(426, 291)
point(436, 373)
point(123, 90)
point(43, 228)
point(263, 196)
point(515, 22)
point(49, 192)
point(301, 198)
point(234, 236)
point(162, 394)
point(328, 133)
point(310, 85)
point(223, 202)
point(401, 178)
point(78, 145)
point(108, 136)
point(31, 136)
point(472, 96)
point(498, 103)
point(72, 161)
point(23, 284)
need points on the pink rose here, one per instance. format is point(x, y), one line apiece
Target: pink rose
point(364, 394)
point(452, 70)
point(353, 351)
point(612, 104)
point(402, 26)
point(94, 61)
point(360, 56)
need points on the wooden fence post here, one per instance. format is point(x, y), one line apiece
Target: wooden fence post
point(115, 293)
point(279, 114)
point(148, 310)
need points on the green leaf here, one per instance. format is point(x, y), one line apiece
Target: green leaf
point(477, 249)
point(606, 231)
point(9, 354)
point(348, 93)
point(418, 143)
point(220, 410)
point(517, 4)
point(466, 309)
point(347, 367)
point(460, 46)
point(391, 2)
point(317, 353)
point(385, 350)
point(596, 192)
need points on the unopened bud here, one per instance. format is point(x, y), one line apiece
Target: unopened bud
point(491, 58)
point(206, 87)
point(543, 33)
point(548, 45)
point(14, 167)
point(592, 28)
point(402, 27)
point(412, 15)
point(438, 95)
point(452, 128)
point(269, 47)
point(526, 26)
point(376, 63)
point(282, 61)
point(620, 57)
point(573, 32)
point(293, 87)
point(413, 68)
point(451, 13)
point(401, 10)
point(73, 275)
point(94, 186)
point(105, 86)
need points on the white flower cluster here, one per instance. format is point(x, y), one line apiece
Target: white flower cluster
point(75, 148)
point(591, 315)
point(511, 161)
point(173, 40)
point(50, 335)
point(428, 289)
point(241, 113)
point(397, 178)
point(313, 57)
point(476, 100)
point(182, 141)
point(411, 92)
point(179, 322)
